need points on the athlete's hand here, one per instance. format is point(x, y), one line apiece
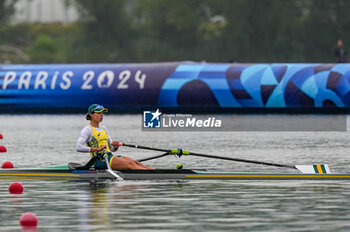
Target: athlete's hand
point(93, 149)
point(102, 147)
point(115, 145)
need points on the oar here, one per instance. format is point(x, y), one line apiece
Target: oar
point(154, 157)
point(323, 168)
point(109, 169)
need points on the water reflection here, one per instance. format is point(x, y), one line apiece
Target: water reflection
point(199, 206)
point(180, 205)
point(29, 229)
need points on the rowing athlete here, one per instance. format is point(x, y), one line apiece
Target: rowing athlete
point(95, 138)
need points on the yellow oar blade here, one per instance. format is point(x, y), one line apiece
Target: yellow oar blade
point(316, 168)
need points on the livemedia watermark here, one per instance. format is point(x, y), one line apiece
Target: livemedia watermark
point(155, 120)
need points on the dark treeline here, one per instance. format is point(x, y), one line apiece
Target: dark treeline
point(169, 30)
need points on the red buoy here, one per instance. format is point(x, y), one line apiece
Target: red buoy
point(16, 188)
point(1, 137)
point(28, 220)
point(7, 164)
point(2, 148)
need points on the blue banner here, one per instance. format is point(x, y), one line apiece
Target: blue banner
point(190, 85)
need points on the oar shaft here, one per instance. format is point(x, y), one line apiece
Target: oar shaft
point(243, 160)
point(176, 151)
point(153, 157)
point(143, 147)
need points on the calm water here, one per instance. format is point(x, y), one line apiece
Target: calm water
point(42, 140)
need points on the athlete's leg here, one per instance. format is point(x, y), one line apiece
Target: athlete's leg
point(137, 162)
point(120, 163)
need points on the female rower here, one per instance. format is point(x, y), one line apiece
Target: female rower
point(95, 138)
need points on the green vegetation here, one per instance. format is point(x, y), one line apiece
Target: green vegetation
point(168, 30)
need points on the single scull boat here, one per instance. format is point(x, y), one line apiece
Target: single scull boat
point(65, 172)
point(74, 171)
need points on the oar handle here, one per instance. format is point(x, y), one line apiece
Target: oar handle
point(170, 151)
point(143, 147)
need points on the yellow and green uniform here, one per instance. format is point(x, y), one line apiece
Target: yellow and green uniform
point(100, 138)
